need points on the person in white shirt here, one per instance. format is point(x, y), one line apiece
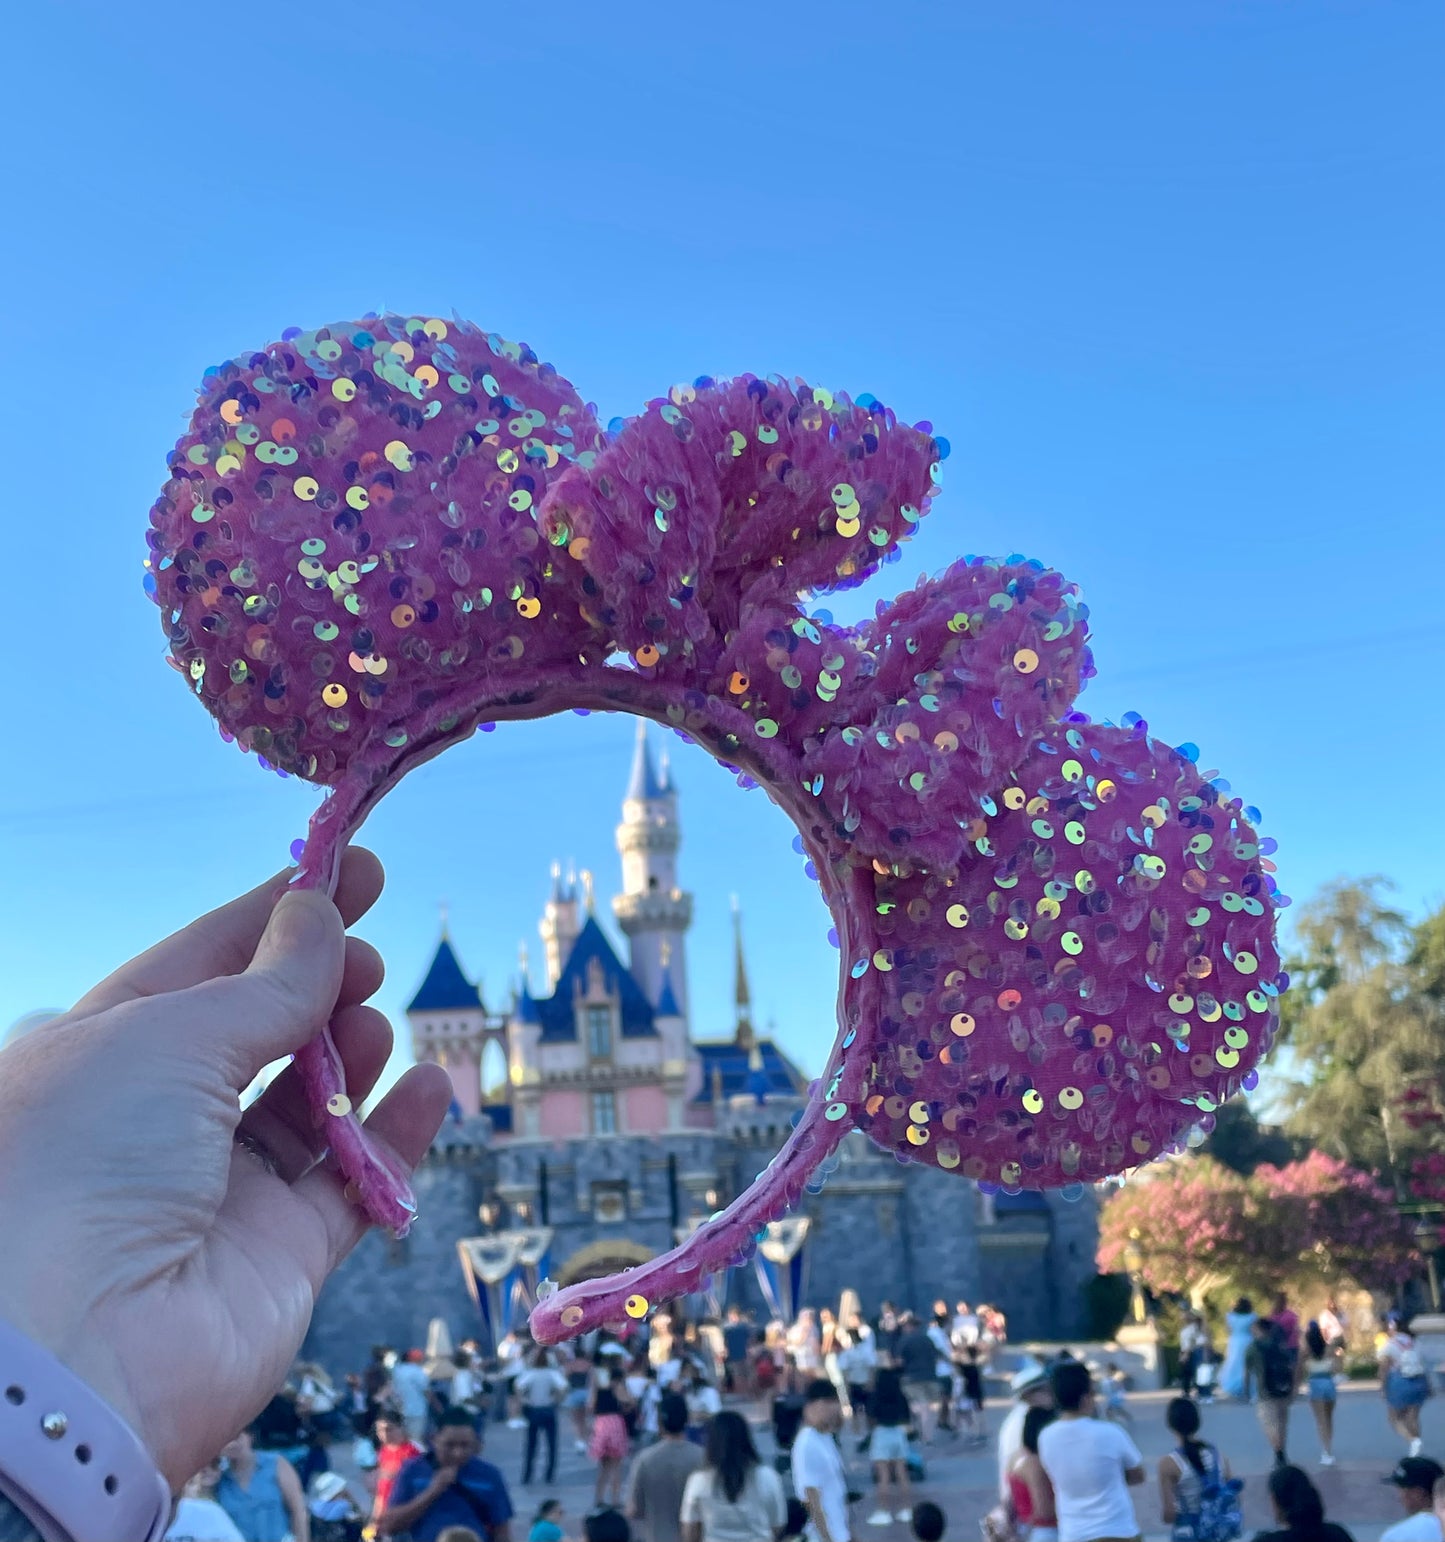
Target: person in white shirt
point(732, 1497)
point(512, 1357)
point(1414, 1479)
point(466, 1384)
point(966, 1326)
point(198, 1517)
point(646, 1398)
point(819, 1479)
point(938, 1336)
point(541, 1387)
point(857, 1363)
point(1031, 1389)
point(703, 1402)
point(1091, 1464)
point(412, 1388)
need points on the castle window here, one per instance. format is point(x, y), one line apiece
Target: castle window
point(599, 1032)
point(609, 1203)
point(604, 1113)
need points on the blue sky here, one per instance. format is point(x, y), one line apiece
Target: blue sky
point(1166, 274)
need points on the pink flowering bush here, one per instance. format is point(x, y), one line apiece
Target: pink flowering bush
point(1341, 1224)
point(1198, 1227)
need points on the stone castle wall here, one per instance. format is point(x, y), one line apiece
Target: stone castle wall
point(890, 1231)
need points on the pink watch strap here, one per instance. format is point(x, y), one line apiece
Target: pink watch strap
point(68, 1461)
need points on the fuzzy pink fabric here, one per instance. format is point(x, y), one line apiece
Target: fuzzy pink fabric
point(1057, 937)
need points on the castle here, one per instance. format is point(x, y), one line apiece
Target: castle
point(607, 1122)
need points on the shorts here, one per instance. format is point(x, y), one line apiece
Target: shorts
point(1322, 1388)
point(1274, 1420)
point(576, 1398)
point(609, 1439)
point(1406, 1391)
point(920, 1391)
point(889, 1443)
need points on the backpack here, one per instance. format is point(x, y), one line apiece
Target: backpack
point(1219, 1517)
point(1276, 1368)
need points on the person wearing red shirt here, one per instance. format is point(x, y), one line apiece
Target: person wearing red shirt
point(394, 1449)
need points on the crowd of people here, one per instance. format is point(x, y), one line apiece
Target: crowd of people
point(662, 1418)
point(413, 1426)
point(1273, 1359)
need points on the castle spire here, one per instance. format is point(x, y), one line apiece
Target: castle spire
point(643, 783)
point(445, 910)
point(653, 909)
point(742, 995)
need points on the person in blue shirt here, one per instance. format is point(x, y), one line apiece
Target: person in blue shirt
point(449, 1486)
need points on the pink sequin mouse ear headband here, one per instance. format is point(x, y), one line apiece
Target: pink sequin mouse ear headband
point(1057, 936)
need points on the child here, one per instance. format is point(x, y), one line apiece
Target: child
point(929, 1522)
point(1206, 1371)
point(547, 1523)
point(1115, 1384)
point(335, 1516)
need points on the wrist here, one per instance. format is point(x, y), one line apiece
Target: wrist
point(68, 1461)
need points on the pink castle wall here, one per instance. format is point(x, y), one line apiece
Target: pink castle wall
point(563, 1115)
point(466, 1086)
point(644, 1111)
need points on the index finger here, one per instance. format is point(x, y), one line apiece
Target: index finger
point(224, 940)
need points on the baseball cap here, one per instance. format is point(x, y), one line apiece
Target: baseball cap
point(1416, 1472)
point(1029, 1375)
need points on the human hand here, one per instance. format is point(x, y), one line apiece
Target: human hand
point(165, 1246)
point(444, 1478)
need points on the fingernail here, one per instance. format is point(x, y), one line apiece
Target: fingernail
point(298, 923)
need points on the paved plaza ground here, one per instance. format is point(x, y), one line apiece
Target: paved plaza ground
point(962, 1481)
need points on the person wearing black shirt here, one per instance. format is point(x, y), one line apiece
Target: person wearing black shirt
point(1299, 1511)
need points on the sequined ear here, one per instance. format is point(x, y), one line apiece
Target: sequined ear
point(1096, 977)
point(732, 497)
point(946, 690)
point(348, 529)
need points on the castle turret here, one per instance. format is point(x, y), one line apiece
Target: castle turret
point(742, 993)
point(449, 1025)
point(652, 911)
point(560, 923)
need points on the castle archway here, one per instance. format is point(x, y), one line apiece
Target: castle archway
point(599, 1258)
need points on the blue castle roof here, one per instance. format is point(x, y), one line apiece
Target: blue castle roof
point(667, 997)
point(776, 1076)
point(446, 988)
point(556, 1013)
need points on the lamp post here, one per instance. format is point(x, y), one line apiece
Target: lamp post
point(1427, 1239)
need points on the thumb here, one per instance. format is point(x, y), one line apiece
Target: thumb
point(285, 995)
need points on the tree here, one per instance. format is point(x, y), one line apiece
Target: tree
point(1340, 1225)
point(1188, 1221)
point(1197, 1227)
point(1360, 1027)
point(1242, 1143)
